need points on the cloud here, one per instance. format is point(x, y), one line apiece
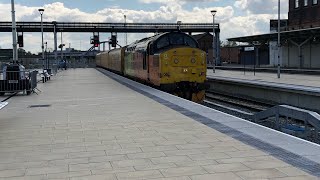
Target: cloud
point(261, 6)
point(236, 19)
point(174, 1)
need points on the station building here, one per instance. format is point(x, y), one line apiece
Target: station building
point(300, 37)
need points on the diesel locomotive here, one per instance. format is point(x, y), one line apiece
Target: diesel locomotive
point(171, 62)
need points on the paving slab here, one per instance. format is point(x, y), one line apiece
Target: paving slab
point(104, 127)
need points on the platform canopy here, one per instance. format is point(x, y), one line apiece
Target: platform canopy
point(285, 35)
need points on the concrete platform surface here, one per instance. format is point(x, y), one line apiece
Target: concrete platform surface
point(312, 81)
point(85, 125)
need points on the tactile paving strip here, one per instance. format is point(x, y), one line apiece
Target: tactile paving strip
point(298, 161)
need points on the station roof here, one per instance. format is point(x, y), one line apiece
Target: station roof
point(293, 34)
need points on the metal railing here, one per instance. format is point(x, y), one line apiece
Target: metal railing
point(18, 81)
point(310, 119)
point(107, 27)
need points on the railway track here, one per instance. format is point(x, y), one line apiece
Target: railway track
point(239, 107)
point(245, 109)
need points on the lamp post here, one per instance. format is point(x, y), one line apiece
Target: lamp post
point(46, 55)
point(14, 34)
point(61, 45)
point(125, 22)
point(42, 46)
point(55, 41)
point(279, 40)
point(213, 12)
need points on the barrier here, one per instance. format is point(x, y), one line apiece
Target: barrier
point(18, 81)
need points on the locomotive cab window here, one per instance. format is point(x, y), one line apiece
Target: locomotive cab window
point(190, 42)
point(175, 39)
point(163, 42)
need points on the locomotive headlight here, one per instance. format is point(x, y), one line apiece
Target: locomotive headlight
point(176, 61)
point(193, 60)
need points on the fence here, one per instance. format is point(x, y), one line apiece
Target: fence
point(81, 63)
point(18, 81)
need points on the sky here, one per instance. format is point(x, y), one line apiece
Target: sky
point(236, 17)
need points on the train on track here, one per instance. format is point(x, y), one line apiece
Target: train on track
point(171, 62)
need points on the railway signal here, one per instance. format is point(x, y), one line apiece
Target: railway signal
point(20, 40)
point(95, 40)
point(114, 41)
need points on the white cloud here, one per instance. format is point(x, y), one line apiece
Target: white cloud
point(261, 6)
point(232, 22)
point(174, 1)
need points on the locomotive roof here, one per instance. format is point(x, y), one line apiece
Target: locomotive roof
point(142, 44)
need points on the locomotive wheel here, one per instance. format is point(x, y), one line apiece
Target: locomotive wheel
point(28, 93)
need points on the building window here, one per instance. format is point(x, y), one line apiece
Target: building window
point(314, 1)
point(305, 2)
point(296, 4)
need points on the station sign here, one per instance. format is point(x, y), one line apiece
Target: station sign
point(249, 49)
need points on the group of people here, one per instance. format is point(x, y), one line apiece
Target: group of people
point(62, 64)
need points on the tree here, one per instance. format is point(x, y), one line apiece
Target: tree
point(229, 44)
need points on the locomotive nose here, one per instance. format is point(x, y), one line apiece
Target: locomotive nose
point(184, 64)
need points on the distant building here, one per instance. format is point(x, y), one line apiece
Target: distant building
point(26, 58)
point(300, 42)
point(75, 58)
point(71, 53)
point(205, 43)
point(204, 40)
point(303, 14)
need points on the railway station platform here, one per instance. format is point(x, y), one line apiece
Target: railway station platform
point(297, 90)
point(308, 81)
point(90, 124)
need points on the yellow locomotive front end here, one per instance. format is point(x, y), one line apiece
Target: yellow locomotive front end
point(183, 71)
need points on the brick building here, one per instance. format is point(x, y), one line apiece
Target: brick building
point(304, 14)
point(205, 43)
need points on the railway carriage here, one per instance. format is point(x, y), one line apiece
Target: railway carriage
point(170, 61)
point(112, 60)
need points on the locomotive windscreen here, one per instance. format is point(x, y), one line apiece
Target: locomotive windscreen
point(175, 39)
